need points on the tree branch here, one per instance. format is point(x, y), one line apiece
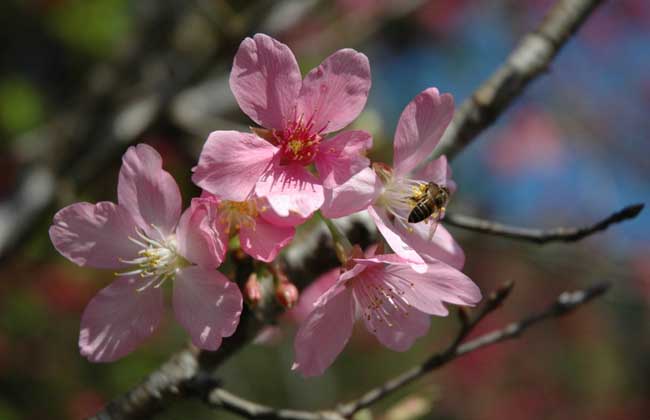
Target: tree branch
point(218, 398)
point(221, 399)
point(540, 236)
point(565, 303)
point(528, 60)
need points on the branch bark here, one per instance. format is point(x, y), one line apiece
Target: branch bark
point(540, 236)
point(565, 303)
point(218, 398)
point(221, 399)
point(526, 62)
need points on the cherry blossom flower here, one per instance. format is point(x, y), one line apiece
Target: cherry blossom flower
point(385, 192)
point(273, 162)
point(147, 241)
point(262, 232)
point(394, 301)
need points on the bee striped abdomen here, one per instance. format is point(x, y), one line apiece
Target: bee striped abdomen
point(421, 211)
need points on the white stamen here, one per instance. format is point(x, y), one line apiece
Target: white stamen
point(157, 259)
point(396, 199)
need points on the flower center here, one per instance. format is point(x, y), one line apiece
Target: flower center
point(157, 259)
point(380, 301)
point(400, 196)
point(298, 142)
point(235, 214)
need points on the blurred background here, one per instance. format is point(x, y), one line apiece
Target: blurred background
point(80, 80)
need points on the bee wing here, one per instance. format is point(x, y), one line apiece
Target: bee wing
point(434, 221)
point(433, 189)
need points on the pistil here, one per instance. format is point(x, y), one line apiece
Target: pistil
point(299, 142)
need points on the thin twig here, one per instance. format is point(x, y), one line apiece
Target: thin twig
point(529, 59)
point(218, 398)
point(221, 399)
point(493, 302)
point(540, 236)
point(565, 303)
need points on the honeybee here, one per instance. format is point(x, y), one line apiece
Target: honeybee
point(430, 200)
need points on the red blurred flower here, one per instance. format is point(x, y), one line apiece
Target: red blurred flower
point(84, 404)
point(531, 140)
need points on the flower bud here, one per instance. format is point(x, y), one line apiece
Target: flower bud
point(253, 290)
point(287, 294)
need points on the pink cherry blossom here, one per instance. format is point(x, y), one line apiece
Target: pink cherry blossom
point(262, 232)
point(147, 241)
point(385, 192)
point(296, 114)
point(394, 301)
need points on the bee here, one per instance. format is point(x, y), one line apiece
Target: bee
point(430, 200)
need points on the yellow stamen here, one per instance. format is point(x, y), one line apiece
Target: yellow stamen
point(295, 146)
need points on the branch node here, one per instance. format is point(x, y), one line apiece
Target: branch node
point(497, 297)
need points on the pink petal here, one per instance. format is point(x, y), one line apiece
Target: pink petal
point(355, 271)
point(94, 235)
point(231, 164)
point(201, 239)
point(342, 157)
point(419, 129)
point(426, 291)
point(118, 319)
point(207, 305)
point(381, 259)
point(311, 294)
point(404, 331)
point(265, 80)
point(354, 195)
point(291, 188)
point(396, 241)
point(441, 246)
point(324, 334)
point(334, 93)
point(264, 241)
point(393, 321)
point(148, 192)
point(272, 217)
point(438, 171)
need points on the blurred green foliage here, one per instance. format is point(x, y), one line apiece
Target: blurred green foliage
point(93, 27)
point(21, 105)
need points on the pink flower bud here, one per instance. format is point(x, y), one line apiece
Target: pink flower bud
point(253, 290)
point(287, 294)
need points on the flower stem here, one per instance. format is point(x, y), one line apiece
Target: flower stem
point(342, 245)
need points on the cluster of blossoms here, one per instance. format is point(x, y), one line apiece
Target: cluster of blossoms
point(258, 187)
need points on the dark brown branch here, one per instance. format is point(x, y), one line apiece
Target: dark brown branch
point(540, 236)
point(218, 398)
point(529, 59)
point(221, 399)
point(493, 302)
point(565, 303)
point(160, 386)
